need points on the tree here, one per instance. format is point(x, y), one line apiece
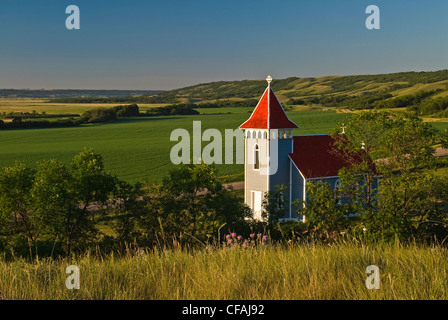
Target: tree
point(55, 205)
point(17, 217)
point(443, 137)
point(324, 213)
point(401, 147)
point(127, 207)
point(53, 195)
point(63, 197)
point(274, 204)
point(191, 201)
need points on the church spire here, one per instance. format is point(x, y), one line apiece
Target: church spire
point(268, 113)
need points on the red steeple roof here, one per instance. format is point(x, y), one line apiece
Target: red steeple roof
point(268, 114)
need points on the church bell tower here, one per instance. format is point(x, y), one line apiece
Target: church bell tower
point(268, 141)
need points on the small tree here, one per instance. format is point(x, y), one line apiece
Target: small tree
point(324, 213)
point(127, 207)
point(191, 201)
point(17, 215)
point(64, 197)
point(274, 204)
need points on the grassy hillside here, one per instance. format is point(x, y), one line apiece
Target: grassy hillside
point(414, 90)
point(397, 84)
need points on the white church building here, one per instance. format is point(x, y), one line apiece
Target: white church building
point(274, 156)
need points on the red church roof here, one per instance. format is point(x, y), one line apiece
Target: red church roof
point(268, 114)
point(316, 157)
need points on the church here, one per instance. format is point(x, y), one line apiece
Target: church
point(274, 156)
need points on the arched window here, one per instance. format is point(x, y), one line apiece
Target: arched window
point(337, 186)
point(265, 135)
point(256, 157)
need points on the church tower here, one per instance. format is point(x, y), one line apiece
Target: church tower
point(268, 141)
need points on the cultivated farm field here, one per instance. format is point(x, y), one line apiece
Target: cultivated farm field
point(137, 148)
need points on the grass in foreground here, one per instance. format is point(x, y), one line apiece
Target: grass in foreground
point(271, 272)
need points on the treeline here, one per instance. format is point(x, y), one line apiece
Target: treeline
point(421, 102)
point(96, 115)
point(189, 108)
point(18, 123)
point(34, 115)
point(56, 209)
point(367, 100)
point(228, 104)
point(109, 114)
point(435, 107)
point(403, 79)
point(171, 110)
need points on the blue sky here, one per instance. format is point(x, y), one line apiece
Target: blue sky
point(166, 44)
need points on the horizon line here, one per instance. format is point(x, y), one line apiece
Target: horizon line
point(234, 80)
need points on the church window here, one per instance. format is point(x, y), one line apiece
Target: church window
point(257, 158)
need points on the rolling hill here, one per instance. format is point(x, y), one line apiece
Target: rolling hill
point(426, 93)
point(397, 84)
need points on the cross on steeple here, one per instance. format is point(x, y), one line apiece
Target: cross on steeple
point(269, 80)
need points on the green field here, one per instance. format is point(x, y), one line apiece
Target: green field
point(137, 148)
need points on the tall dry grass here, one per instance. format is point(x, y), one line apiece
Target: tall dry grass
point(271, 272)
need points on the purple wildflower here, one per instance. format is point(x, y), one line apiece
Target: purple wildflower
point(240, 237)
point(259, 235)
point(233, 234)
point(252, 235)
point(228, 236)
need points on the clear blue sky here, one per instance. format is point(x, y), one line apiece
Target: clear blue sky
point(165, 44)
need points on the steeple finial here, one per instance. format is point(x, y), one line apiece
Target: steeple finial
point(269, 80)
